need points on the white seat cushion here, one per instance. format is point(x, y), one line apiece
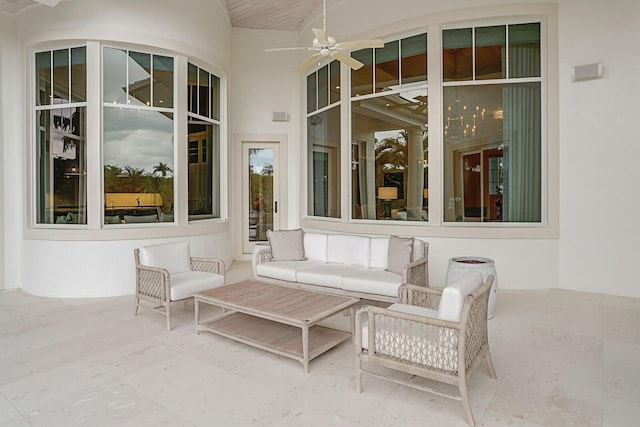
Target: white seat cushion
point(414, 310)
point(315, 246)
point(284, 270)
point(329, 275)
point(453, 295)
point(373, 281)
point(348, 249)
point(185, 284)
point(174, 257)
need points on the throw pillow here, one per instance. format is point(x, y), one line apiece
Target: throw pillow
point(286, 245)
point(399, 254)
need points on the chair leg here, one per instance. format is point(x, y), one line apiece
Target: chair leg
point(465, 403)
point(169, 316)
point(358, 375)
point(137, 306)
point(492, 370)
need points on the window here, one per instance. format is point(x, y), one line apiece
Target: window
point(60, 111)
point(389, 147)
point(138, 137)
point(492, 124)
point(203, 118)
point(323, 141)
point(134, 120)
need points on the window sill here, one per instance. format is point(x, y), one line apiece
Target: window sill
point(424, 229)
point(125, 231)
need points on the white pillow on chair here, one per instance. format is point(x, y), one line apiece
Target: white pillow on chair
point(453, 295)
point(175, 257)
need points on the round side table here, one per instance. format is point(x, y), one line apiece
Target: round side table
point(460, 265)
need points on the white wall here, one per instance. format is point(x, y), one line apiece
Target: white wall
point(263, 83)
point(76, 269)
point(600, 148)
point(11, 205)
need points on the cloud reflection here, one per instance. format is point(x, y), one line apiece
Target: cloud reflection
point(137, 138)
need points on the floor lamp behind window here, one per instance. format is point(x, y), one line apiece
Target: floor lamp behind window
point(387, 194)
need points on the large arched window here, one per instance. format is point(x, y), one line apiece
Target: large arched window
point(140, 125)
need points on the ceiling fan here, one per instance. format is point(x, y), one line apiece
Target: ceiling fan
point(324, 45)
point(420, 102)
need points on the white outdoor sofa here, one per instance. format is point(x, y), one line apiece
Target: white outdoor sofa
point(345, 264)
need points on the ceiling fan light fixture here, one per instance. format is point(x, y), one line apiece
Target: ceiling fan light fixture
point(325, 46)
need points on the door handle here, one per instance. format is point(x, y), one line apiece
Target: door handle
point(275, 209)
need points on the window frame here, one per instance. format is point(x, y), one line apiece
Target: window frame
point(306, 193)
point(35, 110)
point(143, 108)
point(95, 229)
point(547, 16)
point(544, 143)
point(216, 186)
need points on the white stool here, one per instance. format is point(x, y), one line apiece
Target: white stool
point(458, 266)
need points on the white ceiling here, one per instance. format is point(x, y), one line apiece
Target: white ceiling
point(285, 15)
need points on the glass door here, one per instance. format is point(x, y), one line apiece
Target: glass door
point(260, 192)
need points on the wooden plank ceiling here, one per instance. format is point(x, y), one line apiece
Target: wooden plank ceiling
point(285, 15)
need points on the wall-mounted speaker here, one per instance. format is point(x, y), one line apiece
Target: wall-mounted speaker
point(586, 72)
point(280, 116)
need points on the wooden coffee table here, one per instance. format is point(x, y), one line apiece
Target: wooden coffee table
point(271, 317)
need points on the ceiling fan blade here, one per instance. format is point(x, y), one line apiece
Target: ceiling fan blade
point(277, 49)
point(321, 36)
point(309, 61)
point(360, 44)
point(347, 60)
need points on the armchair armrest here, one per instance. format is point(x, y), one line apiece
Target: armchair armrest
point(209, 265)
point(263, 255)
point(416, 273)
point(420, 296)
point(152, 283)
point(420, 341)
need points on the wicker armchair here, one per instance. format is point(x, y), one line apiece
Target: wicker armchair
point(167, 273)
point(419, 337)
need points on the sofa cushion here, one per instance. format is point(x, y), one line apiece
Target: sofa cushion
point(372, 281)
point(286, 245)
point(284, 270)
point(315, 246)
point(174, 257)
point(185, 284)
point(379, 252)
point(453, 295)
point(418, 250)
point(399, 254)
point(329, 275)
point(348, 249)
